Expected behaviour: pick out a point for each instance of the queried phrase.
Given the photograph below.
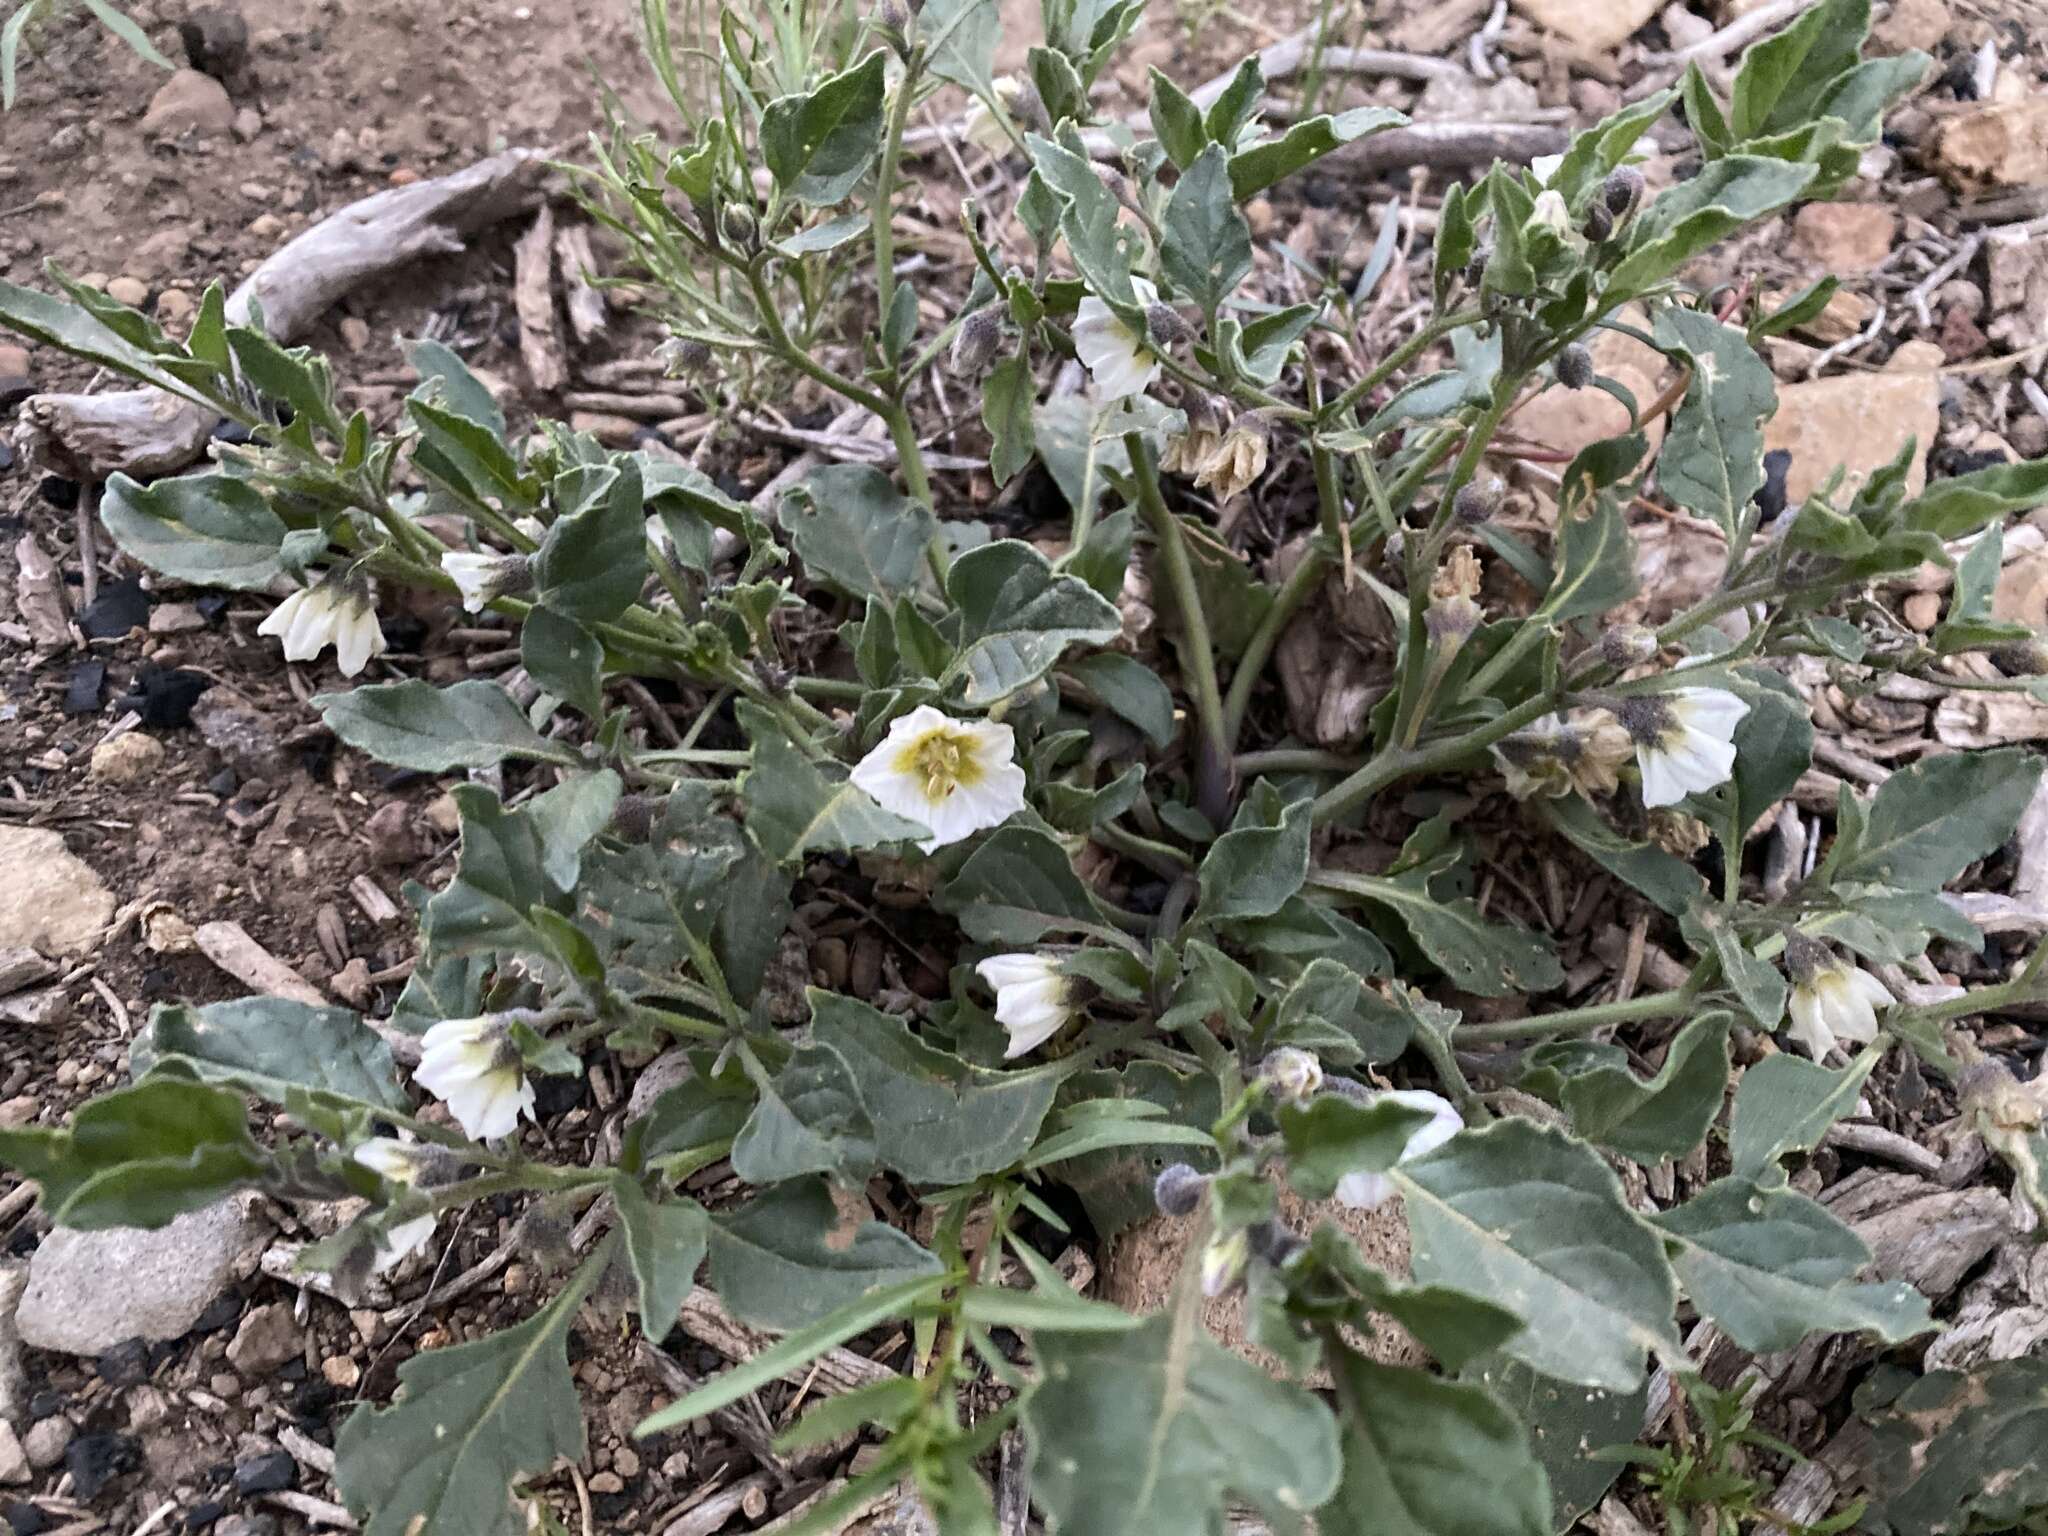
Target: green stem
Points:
(1212, 773)
(829, 688)
(1577, 1021)
(1299, 586)
(1294, 760)
(1391, 766)
(1438, 1052)
(1397, 359)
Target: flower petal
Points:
(1714, 711)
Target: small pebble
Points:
(270, 1473)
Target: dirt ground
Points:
(250, 816)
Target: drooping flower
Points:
(1364, 1191)
(1684, 740)
(1832, 1000)
(1238, 459)
(337, 611)
(481, 577)
(953, 776)
(1186, 452)
(400, 1160)
(1551, 213)
(1554, 755)
(1120, 360)
(982, 127)
(473, 1067)
(1033, 1000)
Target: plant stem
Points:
(1295, 760)
(1397, 359)
(1577, 1021)
(1400, 764)
(1438, 1052)
(1212, 763)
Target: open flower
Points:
(1238, 460)
(1033, 1000)
(1832, 1000)
(400, 1160)
(335, 611)
(473, 1067)
(1364, 1191)
(1119, 359)
(953, 776)
(1684, 740)
(481, 577)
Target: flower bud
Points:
(1551, 213)
(975, 343)
(736, 222)
(1475, 504)
(1621, 191)
(2028, 658)
(1627, 645)
(1293, 1075)
(1574, 367)
(1272, 1243)
(1807, 957)
(680, 355)
(1178, 1190)
(1223, 1262)
(1599, 223)
(1164, 324)
(1239, 459)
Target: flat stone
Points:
(1845, 238)
(127, 759)
(88, 1291)
(249, 742)
(14, 1388)
(47, 1440)
(14, 1466)
(50, 899)
(1910, 24)
(1859, 421)
(2004, 144)
(1590, 28)
(268, 1337)
(189, 102)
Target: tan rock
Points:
(1912, 24)
(1590, 28)
(1916, 356)
(1845, 238)
(132, 291)
(1845, 314)
(1859, 421)
(174, 306)
(127, 759)
(612, 431)
(1568, 420)
(50, 899)
(1144, 1262)
(189, 102)
(2001, 145)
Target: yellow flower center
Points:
(941, 761)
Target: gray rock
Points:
(87, 1291)
(13, 1459)
(13, 1375)
(189, 102)
(247, 740)
(267, 1338)
(47, 1441)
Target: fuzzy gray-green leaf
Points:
(415, 725)
(1713, 458)
(210, 530)
(854, 529)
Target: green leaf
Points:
(1206, 246)
(1594, 153)
(471, 1420)
(1016, 617)
(665, 1242)
(1803, 306)
(1332, 1136)
(564, 658)
(1928, 823)
(1236, 102)
(819, 144)
(593, 562)
(1770, 1266)
(1113, 1181)
(1956, 507)
(1428, 1457)
(1008, 397)
(855, 1317)
(469, 456)
(1713, 458)
(1090, 220)
(1786, 1104)
(1491, 959)
(809, 1120)
(795, 805)
(1255, 169)
(1757, 983)
(1176, 122)
(1537, 1222)
(1017, 887)
(1039, 1312)
(936, 1120)
(500, 876)
(296, 376)
(459, 390)
(1566, 1421)
(1665, 1117)
(415, 725)
(1456, 240)
(788, 1259)
(1129, 688)
(141, 1156)
(1667, 880)
(960, 38)
(854, 529)
(1958, 1453)
(1690, 217)
(271, 1046)
(698, 1112)
(1252, 870)
(1783, 76)
(1081, 452)
(1144, 1433)
(74, 329)
(1773, 743)
(1596, 564)
(210, 530)
(566, 817)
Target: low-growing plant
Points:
(978, 719)
(31, 13)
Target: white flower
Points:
(1223, 1263)
(953, 776)
(1120, 360)
(398, 1159)
(1551, 212)
(1033, 1000)
(481, 577)
(982, 127)
(334, 612)
(472, 1065)
(1364, 1191)
(1684, 740)
(1544, 167)
(1831, 1000)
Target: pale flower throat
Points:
(942, 761)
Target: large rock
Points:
(1590, 28)
(1845, 238)
(88, 1291)
(50, 900)
(2000, 146)
(1859, 421)
(189, 102)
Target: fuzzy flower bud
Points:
(1621, 191)
(1574, 367)
(1164, 324)
(1475, 504)
(737, 223)
(1293, 1075)
(1599, 223)
(681, 355)
(1273, 1243)
(975, 343)
(1627, 645)
(1178, 1190)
